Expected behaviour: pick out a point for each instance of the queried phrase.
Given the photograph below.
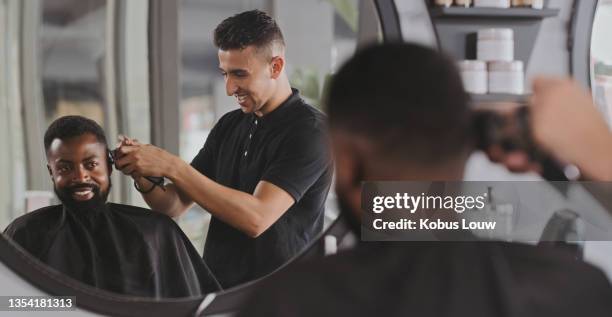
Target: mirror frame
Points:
(582, 18)
(89, 298)
(98, 301)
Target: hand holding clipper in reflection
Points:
(558, 134)
(134, 165)
(507, 138)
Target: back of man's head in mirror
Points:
(397, 112)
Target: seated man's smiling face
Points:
(79, 170)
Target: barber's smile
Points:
(241, 99)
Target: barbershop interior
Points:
(156, 72)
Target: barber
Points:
(265, 169)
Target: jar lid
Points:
(506, 66)
(496, 34)
(472, 65)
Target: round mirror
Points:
(90, 58)
(601, 58)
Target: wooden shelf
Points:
(511, 13)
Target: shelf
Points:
(457, 28)
(511, 13)
(484, 99)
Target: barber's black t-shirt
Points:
(287, 148)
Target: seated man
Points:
(118, 248)
(399, 112)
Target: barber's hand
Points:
(566, 124)
(137, 160)
(502, 134)
(124, 140)
(516, 161)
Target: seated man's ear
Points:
(349, 172)
(50, 172)
(110, 161)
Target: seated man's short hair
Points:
(408, 99)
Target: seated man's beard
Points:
(97, 201)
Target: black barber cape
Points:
(438, 279)
(119, 248)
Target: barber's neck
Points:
(282, 93)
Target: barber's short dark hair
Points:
(248, 28)
(72, 126)
(408, 99)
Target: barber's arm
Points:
(566, 124)
(170, 200)
(249, 213)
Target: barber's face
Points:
(248, 77)
(79, 170)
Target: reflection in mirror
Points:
(313, 52)
(601, 58)
(126, 249)
(114, 247)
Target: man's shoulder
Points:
(547, 280)
(24, 229)
(549, 258)
(38, 216)
(561, 283)
(526, 262)
(558, 266)
(308, 116)
(145, 218)
(304, 123)
(226, 123)
(230, 117)
(137, 211)
(520, 258)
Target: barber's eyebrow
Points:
(233, 71)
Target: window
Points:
(12, 157)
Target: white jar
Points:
(506, 77)
(474, 76)
(463, 3)
(492, 3)
(443, 3)
(495, 45)
(535, 4)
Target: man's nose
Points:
(230, 87)
(81, 174)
